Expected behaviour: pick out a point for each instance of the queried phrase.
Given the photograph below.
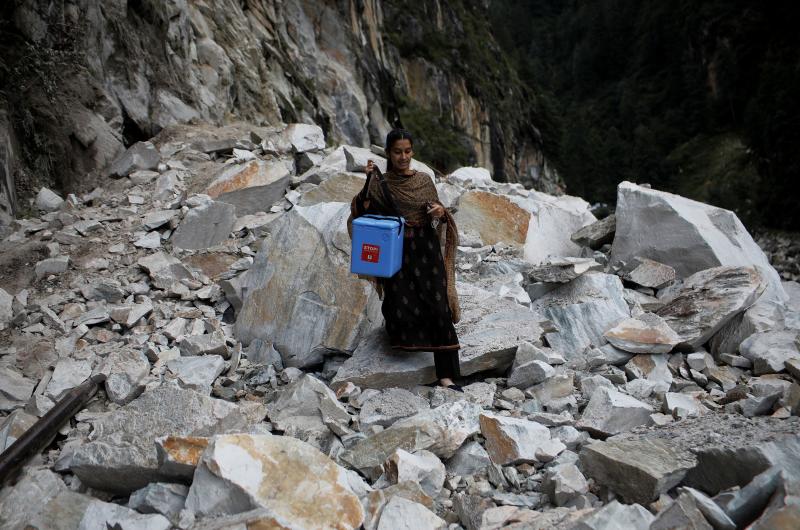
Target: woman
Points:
(420, 303)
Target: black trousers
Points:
(446, 362)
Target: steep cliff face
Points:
(83, 79)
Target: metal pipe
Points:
(45, 430)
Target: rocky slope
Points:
(84, 80)
(642, 370)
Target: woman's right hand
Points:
(370, 167)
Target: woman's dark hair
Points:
(393, 136)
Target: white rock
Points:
(553, 220)
(512, 440)
(6, 309)
(610, 412)
(403, 514)
(422, 467)
(645, 333)
(149, 240)
(47, 201)
(101, 515)
(197, 373)
(67, 374)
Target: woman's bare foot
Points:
(446, 382)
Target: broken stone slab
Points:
(596, 234)
(563, 483)
(615, 515)
(764, 315)
(403, 513)
(687, 235)
(121, 457)
(441, 430)
(712, 511)
(304, 137)
(469, 177)
(421, 467)
(178, 456)
(209, 344)
(645, 333)
(49, 266)
(163, 498)
(389, 406)
(47, 201)
(553, 219)
(40, 499)
(654, 368)
(338, 188)
(489, 332)
(469, 459)
(376, 500)
(13, 426)
(512, 440)
(709, 299)
(528, 374)
(682, 513)
(6, 309)
(562, 270)
(158, 218)
(495, 217)
(687, 403)
(769, 351)
(306, 397)
(611, 412)
(126, 370)
(299, 485)
(649, 273)
(315, 303)
(730, 449)
(197, 373)
(15, 389)
(636, 470)
(582, 310)
(68, 373)
(139, 156)
(164, 269)
(251, 187)
(101, 515)
(205, 226)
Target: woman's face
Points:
(400, 154)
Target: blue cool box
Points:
(377, 246)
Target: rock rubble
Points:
(609, 378)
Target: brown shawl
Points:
(411, 194)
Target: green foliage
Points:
(442, 146)
(657, 92)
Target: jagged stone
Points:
(315, 303)
(160, 497)
(511, 440)
(687, 235)
(304, 137)
(582, 311)
(636, 470)
(125, 370)
(615, 515)
(338, 188)
(389, 406)
(683, 513)
(49, 266)
(101, 515)
(205, 226)
(210, 344)
(197, 373)
(563, 483)
(122, 455)
(709, 299)
(251, 187)
(690, 404)
(495, 217)
(6, 309)
(376, 501)
(299, 485)
(654, 368)
(441, 430)
(164, 269)
(139, 156)
(403, 513)
(469, 459)
(649, 273)
(68, 373)
(489, 331)
(553, 219)
(422, 467)
(610, 412)
(528, 374)
(713, 513)
(645, 333)
(562, 270)
(596, 234)
(13, 426)
(40, 499)
(769, 351)
(15, 389)
(47, 201)
(178, 456)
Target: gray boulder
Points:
(205, 226)
(139, 156)
(303, 297)
(121, 457)
(610, 412)
(687, 235)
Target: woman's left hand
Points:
(435, 210)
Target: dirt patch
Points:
(17, 261)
